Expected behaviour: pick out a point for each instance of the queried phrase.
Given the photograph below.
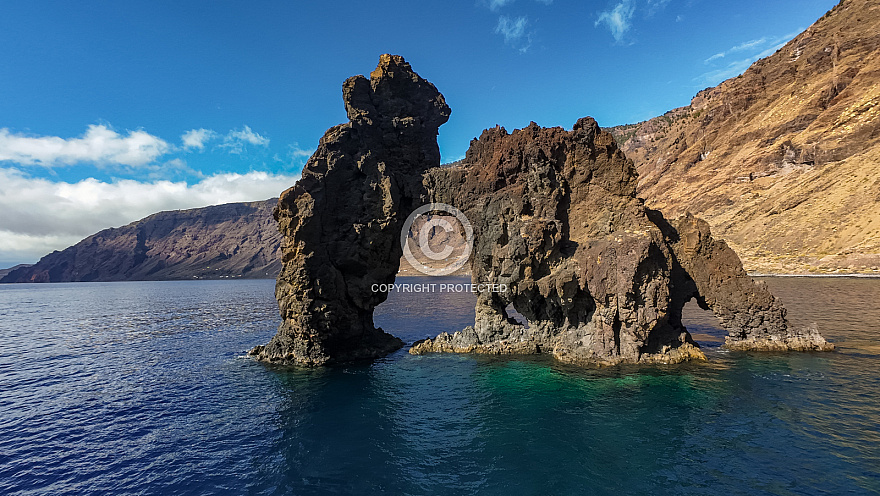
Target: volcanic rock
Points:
(599, 277)
(342, 220)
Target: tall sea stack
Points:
(341, 222)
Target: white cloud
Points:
(196, 138)
(298, 153)
(654, 6)
(495, 5)
(745, 46)
(40, 216)
(739, 66)
(514, 32)
(99, 145)
(752, 45)
(248, 136)
(511, 29)
(715, 57)
(735, 68)
(619, 19)
(236, 140)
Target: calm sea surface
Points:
(141, 388)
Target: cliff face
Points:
(3, 272)
(224, 241)
(782, 161)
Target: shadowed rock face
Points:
(341, 222)
(600, 278)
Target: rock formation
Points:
(600, 278)
(782, 160)
(341, 222)
(235, 240)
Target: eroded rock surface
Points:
(341, 221)
(599, 277)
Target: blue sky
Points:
(114, 110)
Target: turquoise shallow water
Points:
(141, 388)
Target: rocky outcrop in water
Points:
(600, 278)
(341, 222)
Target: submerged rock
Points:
(599, 278)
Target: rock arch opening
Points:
(703, 326)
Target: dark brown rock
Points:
(341, 222)
(599, 278)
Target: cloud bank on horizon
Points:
(43, 214)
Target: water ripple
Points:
(141, 388)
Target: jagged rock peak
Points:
(394, 93)
(555, 217)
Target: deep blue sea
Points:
(143, 388)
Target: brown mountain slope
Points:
(784, 160)
(223, 241)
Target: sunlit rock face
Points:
(600, 278)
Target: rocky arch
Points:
(600, 278)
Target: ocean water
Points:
(142, 388)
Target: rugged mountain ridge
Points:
(784, 160)
(3, 272)
(235, 240)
